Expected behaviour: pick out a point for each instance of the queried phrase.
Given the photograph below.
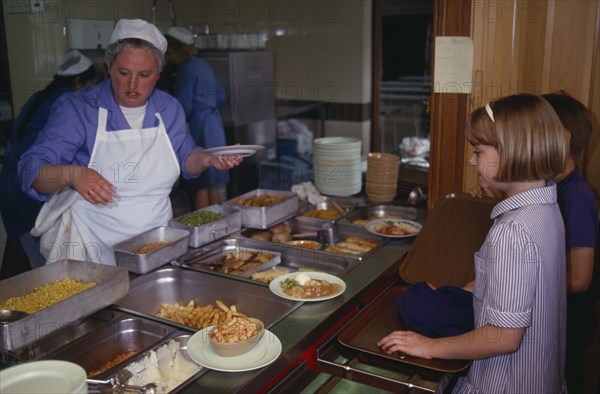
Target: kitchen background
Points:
(323, 48)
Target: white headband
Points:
(488, 109)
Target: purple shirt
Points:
(70, 134)
(578, 208)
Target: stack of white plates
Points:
(337, 165)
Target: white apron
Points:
(142, 166)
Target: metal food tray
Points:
(377, 320)
(183, 339)
(326, 205)
(142, 263)
(171, 285)
(381, 211)
(310, 228)
(112, 283)
(292, 258)
(213, 254)
(209, 232)
(263, 217)
(127, 334)
(61, 337)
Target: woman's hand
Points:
(226, 162)
(87, 182)
(198, 161)
(93, 187)
(408, 342)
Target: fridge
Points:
(249, 114)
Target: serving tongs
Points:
(117, 384)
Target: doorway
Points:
(402, 86)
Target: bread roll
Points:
(261, 236)
(281, 228)
(281, 237)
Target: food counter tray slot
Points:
(178, 285)
(307, 230)
(209, 232)
(164, 367)
(227, 257)
(351, 364)
(127, 335)
(263, 217)
(361, 215)
(305, 380)
(61, 337)
(292, 258)
(112, 283)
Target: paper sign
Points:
(453, 65)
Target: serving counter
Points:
(313, 324)
(308, 333)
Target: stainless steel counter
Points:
(312, 323)
(301, 332)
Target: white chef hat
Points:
(75, 63)
(182, 34)
(138, 28)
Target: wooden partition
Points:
(538, 46)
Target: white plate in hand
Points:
(240, 150)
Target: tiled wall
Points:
(322, 48)
(37, 42)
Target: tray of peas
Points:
(209, 224)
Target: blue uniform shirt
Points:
(70, 134)
(19, 211)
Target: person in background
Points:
(577, 206)
(18, 210)
(519, 302)
(201, 95)
(108, 157)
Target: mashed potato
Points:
(166, 367)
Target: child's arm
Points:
(483, 342)
(580, 268)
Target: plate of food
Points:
(393, 228)
(262, 354)
(240, 150)
(307, 286)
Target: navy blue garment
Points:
(444, 312)
(18, 210)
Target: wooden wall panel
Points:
(538, 46)
(448, 111)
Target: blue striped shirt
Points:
(521, 282)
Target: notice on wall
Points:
(453, 65)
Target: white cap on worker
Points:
(74, 64)
(138, 28)
(182, 34)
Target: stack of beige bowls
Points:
(382, 177)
